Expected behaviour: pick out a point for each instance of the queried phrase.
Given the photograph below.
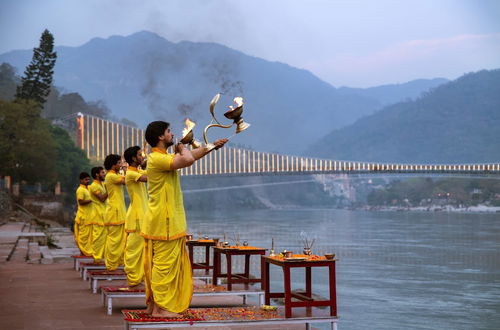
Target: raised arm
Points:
(183, 157)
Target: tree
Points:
(37, 79)
(69, 160)
(26, 145)
(34, 151)
(61, 105)
(64, 105)
(7, 81)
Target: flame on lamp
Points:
(238, 101)
(189, 126)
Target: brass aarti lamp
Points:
(233, 114)
(188, 136)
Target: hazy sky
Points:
(347, 43)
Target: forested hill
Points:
(393, 93)
(455, 122)
(144, 77)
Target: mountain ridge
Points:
(145, 77)
(457, 122)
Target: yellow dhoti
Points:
(83, 226)
(134, 258)
(83, 234)
(169, 282)
(115, 245)
(75, 235)
(98, 241)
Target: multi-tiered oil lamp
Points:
(233, 114)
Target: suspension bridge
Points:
(99, 137)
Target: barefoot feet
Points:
(139, 286)
(159, 312)
(149, 309)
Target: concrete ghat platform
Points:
(37, 296)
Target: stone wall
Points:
(46, 207)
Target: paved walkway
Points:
(53, 296)
(37, 296)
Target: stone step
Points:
(26, 228)
(21, 251)
(46, 255)
(10, 236)
(60, 255)
(6, 250)
(12, 226)
(34, 254)
(19, 242)
(8, 241)
(56, 256)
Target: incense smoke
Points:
(180, 82)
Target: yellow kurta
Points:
(134, 249)
(114, 219)
(165, 217)
(116, 212)
(138, 199)
(99, 231)
(168, 277)
(83, 226)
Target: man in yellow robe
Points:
(169, 283)
(99, 198)
(115, 214)
(135, 180)
(83, 228)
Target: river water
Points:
(396, 270)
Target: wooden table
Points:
(207, 243)
(305, 298)
(236, 278)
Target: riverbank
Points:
(435, 208)
(432, 208)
